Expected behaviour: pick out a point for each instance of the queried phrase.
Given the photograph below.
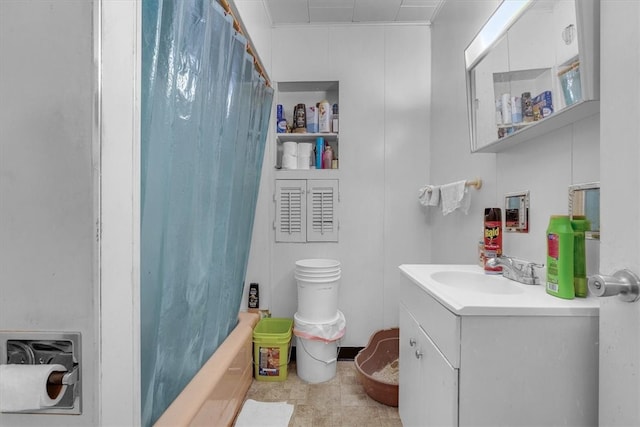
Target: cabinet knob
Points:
(624, 283)
(418, 354)
(412, 342)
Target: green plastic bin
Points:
(271, 348)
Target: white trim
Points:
(118, 102)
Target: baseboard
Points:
(345, 353)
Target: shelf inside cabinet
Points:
(307, 173)
(305, 137)
(557, 120)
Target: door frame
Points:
(117, 32)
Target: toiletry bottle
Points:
(300, 118)
(319, 151)
(527, 108)
(254, 296)
(327, 157)
(281, 121)
(580, 224)
(560, 257)
(324, 116)
(492, 238)
(334, 120)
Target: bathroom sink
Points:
(466, 290)
(476, 282)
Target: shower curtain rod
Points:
(239, 27)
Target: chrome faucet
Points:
(516, 269)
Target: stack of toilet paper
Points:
(290, 155)
(296, 155)
(305, 151)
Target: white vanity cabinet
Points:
(493, 368)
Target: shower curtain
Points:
(205, 114)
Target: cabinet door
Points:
(291, 210)
(428, 383)
(441, 385)
(411, 389)
(322, 202)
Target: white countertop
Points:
(525, 300)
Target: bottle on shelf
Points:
(319, 153)
(324, 116)
(327, 157)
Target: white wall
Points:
(545, 166)
(384, 91)
(48, 201)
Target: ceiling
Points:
(288, 12)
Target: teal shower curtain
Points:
(205, 114)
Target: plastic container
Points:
(318, 298)
(317, 348)
(319, 151)
(381, 354)
(271, 347)
(318, 282)
(580, 224)
(560, 257)
(324, 116)
(317, 264)
(327, 157)
(571, 84)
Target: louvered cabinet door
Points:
(291, 215)
(322, 201)
(306, 210)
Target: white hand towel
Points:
(455, 196)
(429, 195)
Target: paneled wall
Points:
(48, 191)
(545, 166)
(384, 144)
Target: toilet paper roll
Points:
(24, 387)
(290, 147)
(289, 161)
(304, 162)
(305, 149)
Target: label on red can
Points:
(492, 244)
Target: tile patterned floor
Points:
(340, 402)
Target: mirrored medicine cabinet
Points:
(532, 68)
(584, 200)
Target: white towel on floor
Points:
(429, 195)
(455, 196)
(264, 414)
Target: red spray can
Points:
(492, 238)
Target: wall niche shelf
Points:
(557, 120)
(305, 137)
(309, 93)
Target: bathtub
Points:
(215, 395)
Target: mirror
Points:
(584, 199)
(526, 65)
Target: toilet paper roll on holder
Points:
(63, 377)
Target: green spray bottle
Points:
(560, 240)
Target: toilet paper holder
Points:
(63, 348)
